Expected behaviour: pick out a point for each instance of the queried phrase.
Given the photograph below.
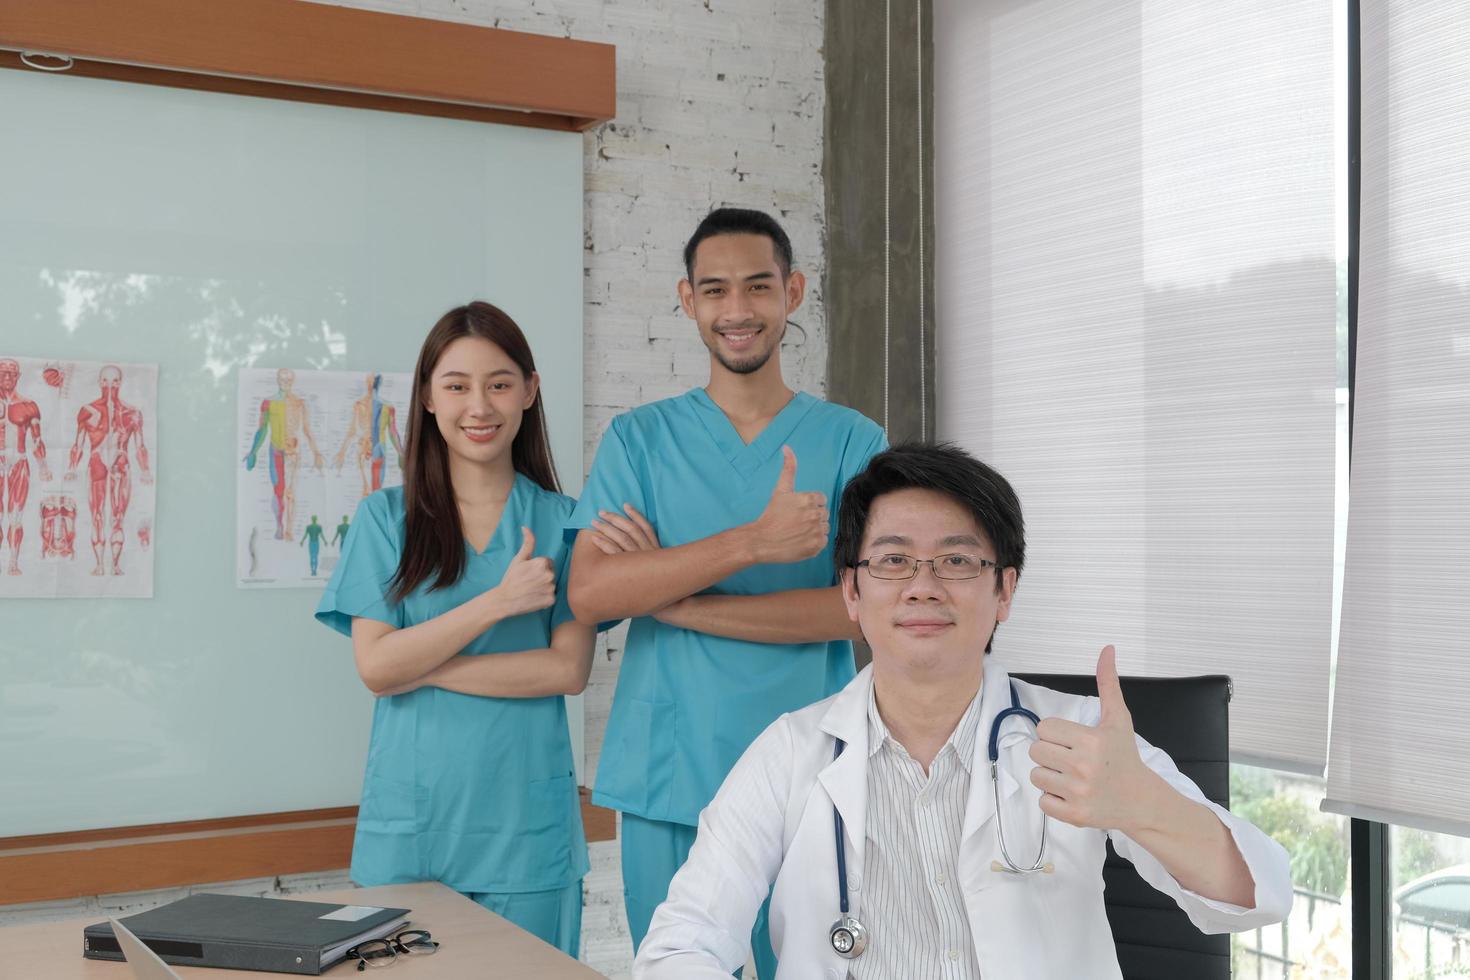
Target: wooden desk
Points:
(476, 943)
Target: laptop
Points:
(145, 963)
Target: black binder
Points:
(242, 932)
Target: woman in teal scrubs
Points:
(452, 588)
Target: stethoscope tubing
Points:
(847, 922)
(841, 845)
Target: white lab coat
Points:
(772, 822)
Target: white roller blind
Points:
(1136, 279)
(1401, 719)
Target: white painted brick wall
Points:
(719, 102)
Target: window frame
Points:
(1369, 847)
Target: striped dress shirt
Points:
(912, 904)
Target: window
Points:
(1316, 941)
(1055, 315)
(1431, 905)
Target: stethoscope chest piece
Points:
(848, 937)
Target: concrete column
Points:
(853, 169)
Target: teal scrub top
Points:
(472, 791)
(688, 704)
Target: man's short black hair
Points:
(943, 468)
(740, 221)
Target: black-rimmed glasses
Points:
(384, 952)
(900, 567)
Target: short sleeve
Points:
(867, 441)
(359, 584)
(561, 610)
(612, 483)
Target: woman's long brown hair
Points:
(433, 538)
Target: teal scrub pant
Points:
(554, 917)
(652, 851)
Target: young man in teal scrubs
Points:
(705, 520)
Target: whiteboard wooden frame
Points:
(306, 52)
(319, 53)
(50, 867)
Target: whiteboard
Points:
(206, 233)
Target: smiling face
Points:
(740, 299)
(478, 396)
(926, 627)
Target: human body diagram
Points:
(284, 421)
(109, 435)
(312, 538)
(59, 526)
(374, 424)
(20, 439)
(105, 431)
(286, 418)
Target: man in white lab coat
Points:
(930, 544)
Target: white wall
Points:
(719, 102)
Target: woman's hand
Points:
(529, 583)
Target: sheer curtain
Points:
(1136, 287)
(1400, 738)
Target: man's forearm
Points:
(794, 616)
(1195, 847)
(637, 583)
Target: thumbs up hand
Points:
(794, 526)
(1094, 776)
(528, 583)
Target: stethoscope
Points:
(848, 936)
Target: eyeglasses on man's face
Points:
(384, 952)
(899, 567)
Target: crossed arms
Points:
(619, 570)
(395, 661)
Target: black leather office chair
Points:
(1189, 718)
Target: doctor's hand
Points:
(528, 583)
(615, 533)
(1093, 776)
(794, 526)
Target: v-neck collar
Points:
(507, 530)
(746, 458)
